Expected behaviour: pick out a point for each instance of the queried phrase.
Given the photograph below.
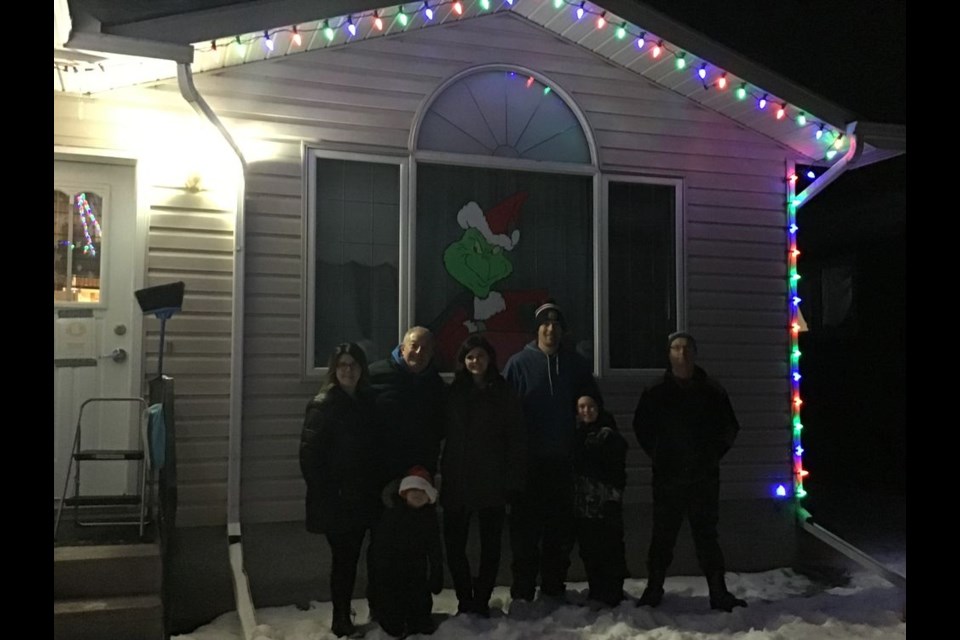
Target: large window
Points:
(642, 272)
(504, 217)
(491, 245)
(354, 265)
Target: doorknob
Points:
(117, 355)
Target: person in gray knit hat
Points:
(686, 424)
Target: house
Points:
(306, 167)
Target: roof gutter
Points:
(834, 172)
(241, 584)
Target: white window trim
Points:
(602, 268)
(309, 262)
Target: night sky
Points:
(852, 52)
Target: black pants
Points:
(404, 600)
(604, 556)
(456, 529)
(700, 502)
(345, 551)
(542, 530)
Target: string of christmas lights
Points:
(87, 219)
(799, 473)
(709, 76)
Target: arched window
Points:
(506, 114)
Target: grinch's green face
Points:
(475, 263)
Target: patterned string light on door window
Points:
(375, 22)
(799, 473)
(89, 221)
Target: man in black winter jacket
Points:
(686, 424)
(411, 398)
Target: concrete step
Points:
(114, 618)
(101, 571)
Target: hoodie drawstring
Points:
(557, 366)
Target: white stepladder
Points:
(78, 454)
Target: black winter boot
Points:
(720, 598)
(481, 598)
(342, 625)
(653, 594)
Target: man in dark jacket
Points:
(548, 379)
(686, 424)
(410, 404)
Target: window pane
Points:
(492, 244)
(642, 273)
(357, 257)
(504, 114)
(77, 246)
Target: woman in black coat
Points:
(483, 462)
(339, 460)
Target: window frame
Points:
(311, 154)
(603, 249)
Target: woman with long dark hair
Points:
(483, 463)
(339, 461)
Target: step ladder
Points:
(80, 455)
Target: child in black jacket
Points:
(600, 477)
(408, 557)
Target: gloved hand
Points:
(436, 582)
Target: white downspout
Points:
(241, 585)
(833, 172)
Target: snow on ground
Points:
(783, 606)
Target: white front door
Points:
(97, 265)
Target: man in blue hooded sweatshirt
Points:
(548, 378)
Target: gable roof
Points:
(119, 44)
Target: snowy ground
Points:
(783, 606)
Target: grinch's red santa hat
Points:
(498, 225)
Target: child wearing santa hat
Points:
(407, 556)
